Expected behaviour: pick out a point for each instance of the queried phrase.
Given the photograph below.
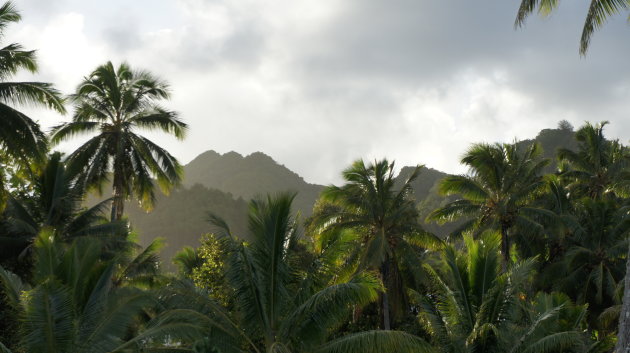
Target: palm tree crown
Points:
(20, 136)
(115, 102)
(385, 218)
(599, 168)
(502, 181)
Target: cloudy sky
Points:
(317, 84)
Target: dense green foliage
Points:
(536, 258)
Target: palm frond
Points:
(377, 342)
(32, 93)
(596, 16)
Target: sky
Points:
(318, 84)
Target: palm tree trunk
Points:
(623, 336)
(385, 298)
(386, 321)
(505, 247)
(118, 202)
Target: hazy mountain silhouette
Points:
(249, 176)
(223, 183)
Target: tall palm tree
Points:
(598, 12)
(501, 184)
(20, 136)
(275, 308)
(599, 168)
(116, 102)
(473, 306)
(385, 217)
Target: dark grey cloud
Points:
(421, 43)
(318, 84)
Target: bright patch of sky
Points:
(317, 84)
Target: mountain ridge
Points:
(223, 184)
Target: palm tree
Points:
(385, 218)
(71, 305)
(598, 13)
(600, 168)
(502, 182)
(20, 136)
(115, 103)
(275, 308)
(187, 260)
(594, 261)
(473, 306)
(55, 204)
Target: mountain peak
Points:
(249, 176)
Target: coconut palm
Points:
(71, 304)
(594, 261)
(599, 168)
(385, 218)
(598, 12)
(473, 306)
(115, 103)
(497, 192)
(20, 136)
(269, 313)
(55, 204)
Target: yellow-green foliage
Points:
(210, 273)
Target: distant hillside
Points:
(426, 185)
(551, 140)
(426, 194)
(222, 184)
(249, 176)
(181, 218)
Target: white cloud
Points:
(317, 84)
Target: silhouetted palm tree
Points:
(385, 218)
(116, 102)
(594, 262)
(20, 136)
(501, 184)
(600, 167)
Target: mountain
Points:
(223, 183)
(550, 140)
(249, 176)
(426, 186)
(181, 217)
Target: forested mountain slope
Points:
(222, 184)
(248, 176)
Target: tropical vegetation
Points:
(537, 257)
